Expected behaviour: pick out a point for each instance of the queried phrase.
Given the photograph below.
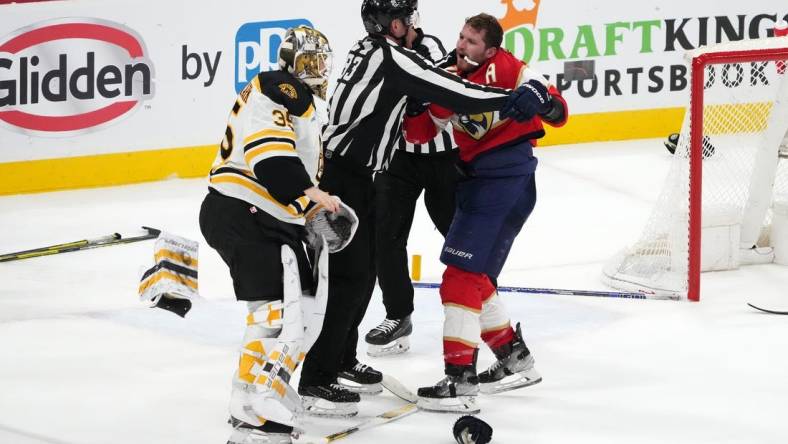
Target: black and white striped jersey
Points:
(430, 47)
(366, 107)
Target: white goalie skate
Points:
(246, 436)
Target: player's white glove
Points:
(336, 228)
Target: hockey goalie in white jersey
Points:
(262, 204)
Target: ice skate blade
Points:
(323, 408)
(395, 347)
(243, 435)
(361, 389)
(513, 382)
(459, 404)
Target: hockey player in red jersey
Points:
(494, 199)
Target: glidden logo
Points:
(71, 75)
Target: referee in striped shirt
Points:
(365, 115)
(428, 167)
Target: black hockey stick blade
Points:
(766, 310)
(152, 231)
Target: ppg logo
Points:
(257, 46)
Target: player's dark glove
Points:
(415, 107)
(472, 430)
(527, 101)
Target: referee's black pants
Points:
(351, 278)
(396, 192)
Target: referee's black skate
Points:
(391, 337)
(268, 433)
(456, 393)
(361, 379)
(514, 368)
(331, 400)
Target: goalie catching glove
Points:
(336, 228)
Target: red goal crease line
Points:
(566, 292)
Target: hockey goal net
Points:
(728, 174)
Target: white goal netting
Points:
(744, 122)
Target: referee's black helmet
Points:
(378, 14)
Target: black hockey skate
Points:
(331, 400)
(513, 369)
(456, 393)
(361, 379)
(268, 433)
(391, 337)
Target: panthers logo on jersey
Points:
(475, 125)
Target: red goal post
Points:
(768, 50)
(725, 182)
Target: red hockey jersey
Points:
(478, 133)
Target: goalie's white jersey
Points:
(271, 151)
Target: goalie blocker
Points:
(171, 284)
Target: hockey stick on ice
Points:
(86, 244)
(398, 389)
(79, 243)
(766, 310)
(383, 418)
(392, 385)
(559, 291)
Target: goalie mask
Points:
(306, 55)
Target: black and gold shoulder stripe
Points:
(286, 90)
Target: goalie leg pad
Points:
(313, 308)
(261, 387)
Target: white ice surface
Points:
(82, 361)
